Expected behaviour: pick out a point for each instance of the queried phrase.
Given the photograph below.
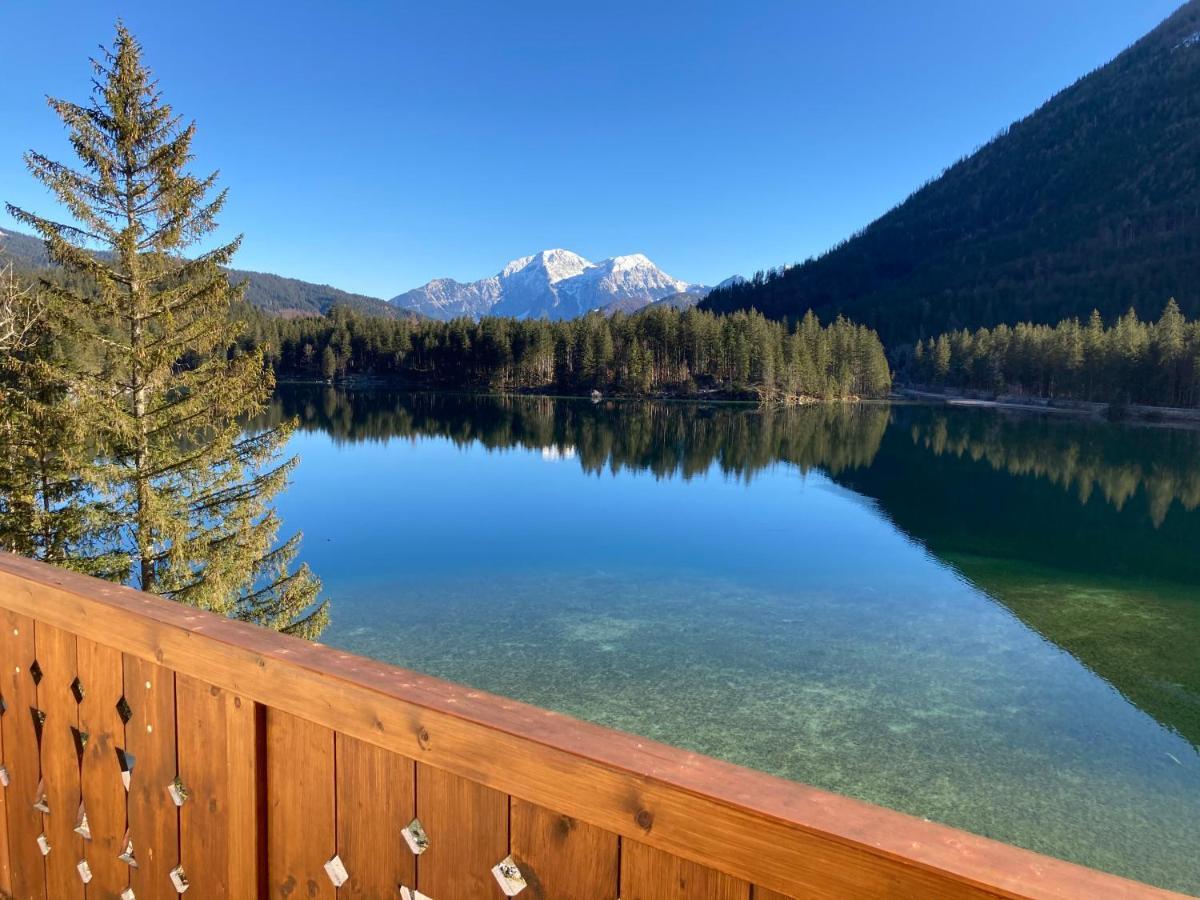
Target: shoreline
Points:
(1136, 413)
(710, 395)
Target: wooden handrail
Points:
(778, 836)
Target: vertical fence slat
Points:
(60, 760)
(215, 734)
(5, 865)
(467, 826)
(21, 757)
(650, 874)
(100, 673)
(150, 737)
(375, 801)
(301, 831)
(560, 857)
(247, 793)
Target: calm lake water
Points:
(988, 619)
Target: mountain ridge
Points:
(1091, 201)
(554, 283)
(274, 294)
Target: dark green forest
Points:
(1093, 201)
(668, 440)
(660, 350)
(1132, 361)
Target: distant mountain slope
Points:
(290, 296)
(682, 300)
(271, 293)
(1091, 201)
(553, 284)
(26, 252)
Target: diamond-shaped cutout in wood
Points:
(125, 761)
(81, 739)
(179, 879)
(39, 720)
(5, 778)
(84, 870)
(36, 672)
(43, 844)
(77, 690)
(407, 893)
(124, 710)
(128, 894)
(3, 705)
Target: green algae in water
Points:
(939, 626)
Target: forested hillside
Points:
(272, 293)
(1093, 201)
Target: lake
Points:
(989, 619)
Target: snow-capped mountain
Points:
(553, 284)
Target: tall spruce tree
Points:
(167, 399)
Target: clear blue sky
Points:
(376, 145)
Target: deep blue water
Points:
(985, 619)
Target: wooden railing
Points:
(242, 763)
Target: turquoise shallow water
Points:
(925, 608)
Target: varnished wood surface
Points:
(376, 798)
(215, 729)
(100, 672)
(649, 874)
(60, 762)
(149, 736)
(28, 867)
(562, 858)
(782, 836)
(467, 826)
(301, 833)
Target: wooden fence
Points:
(150, 748)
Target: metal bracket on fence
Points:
(41, 804)
(179, 880)
(82, 828)
(84, 870)
(127, 856)
(43, 844)
(336, 870)
(178, 792)
(509, 877)
(415, 837)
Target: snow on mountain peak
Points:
(554, 283)
(515, 266)
(632, 261)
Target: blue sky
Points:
(376, 145)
